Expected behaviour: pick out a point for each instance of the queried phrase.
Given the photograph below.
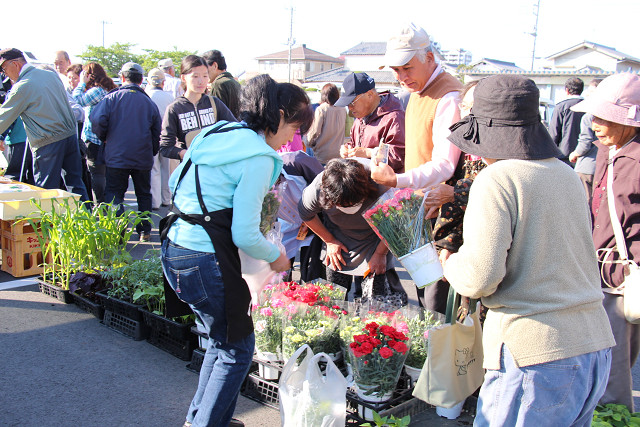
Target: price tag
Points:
(302, 232)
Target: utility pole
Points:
(103, 24)
(291, 41)
(536, 12)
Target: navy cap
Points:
(132, 67)
(355, 84)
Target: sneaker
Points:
(145, 237)
(236, 423)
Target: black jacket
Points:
(565, 126)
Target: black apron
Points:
(217, 224)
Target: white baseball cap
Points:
(402, 47)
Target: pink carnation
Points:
(266, 311)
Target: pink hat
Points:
(616, 99)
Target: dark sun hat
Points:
(504, 122)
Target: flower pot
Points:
(414, 373)
(371, 400)
(450, 413)
(423, 265)
(264, 369)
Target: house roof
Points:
(502, 65)
(609, 51)
(581, 72)
(301, 53)
(337, 75)
(367, 48)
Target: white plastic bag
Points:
(257, 272)
(309, 398)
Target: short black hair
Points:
(329, 94)
(216, 56)
(345, 183)
(262, 99)
(574, 86)
(135, 78)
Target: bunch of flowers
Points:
(270, 207)
(267, 326)
(397, 217)
(417, 326)
(314, 293)
(377, 355)
(315, 325)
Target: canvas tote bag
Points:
(453, 369)
(630, 287)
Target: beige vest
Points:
(419, 117)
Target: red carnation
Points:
(385, 352)
(366, 348)
(401, 347)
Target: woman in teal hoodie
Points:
(218, 192)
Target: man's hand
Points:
(573, 157)
(2, 145)
(383, 174)
(334, 258)
(344, 151)
(281, 264)
(436, 197)
(378, 263)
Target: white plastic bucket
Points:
(423, 265)
(363, 411)
(265, 371)
(450, 413)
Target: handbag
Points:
(453, 370)
(310, 397)
(630, 287)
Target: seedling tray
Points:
(261, 390)
(132, 328)
(55, 292)
(122, 308)
(89, 306)
(179, 331)
(196, 361)
(182, 349)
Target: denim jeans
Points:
(562, 393)
(197, 280)
(60, 159)
(116, 187)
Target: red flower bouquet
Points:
(377, 356)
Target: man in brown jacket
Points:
(433, 106)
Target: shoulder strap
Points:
(214, 108)
(615, 222)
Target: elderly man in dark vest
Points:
(430, 158)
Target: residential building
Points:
(304, 62)
(457, 57)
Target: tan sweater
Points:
(419, 117)
(528, 253)
(326, 134)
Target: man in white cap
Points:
(172, 83)
(433, 106)
(160, 192)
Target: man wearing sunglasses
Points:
(39, 98)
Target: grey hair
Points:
(422, 54)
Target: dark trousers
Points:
(434, 297)
(60, 159)
(116, 187)
(15, 154)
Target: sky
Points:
(245, 29)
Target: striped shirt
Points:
(88, 99)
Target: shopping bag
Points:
(632, 293)
(310, 397)
(453, 369)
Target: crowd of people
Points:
(516, 225)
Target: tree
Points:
(151, 57)
(111, 58)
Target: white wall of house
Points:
(584, 57)
(363, 62)
(279, 69)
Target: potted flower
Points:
(377, 355)
(267, 326)
(316, 326)
(397, 217)
(416, 324)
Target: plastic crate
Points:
(132, 328)
(55, 292)
(179, 331)
(89, 306)
(203, 338)
(261, 390)
(182, 349)
(122, 308)
(196, 361)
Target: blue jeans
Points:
(60, 159)
(117, 182)
(560, 393)
(197, 280)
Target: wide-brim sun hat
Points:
(504, 122)
(616, 99)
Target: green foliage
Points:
(613, 415)
(111, 58)
(389, 421)
(74, 239)
(139, 282)
(150, 59)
